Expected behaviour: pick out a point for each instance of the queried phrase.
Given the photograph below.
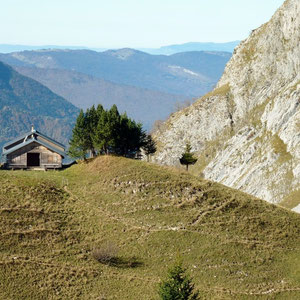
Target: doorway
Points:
(33, 159)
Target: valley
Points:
(148, 87)
(83, 91)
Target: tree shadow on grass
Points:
(125, 262)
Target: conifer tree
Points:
(79, 141)
(188, 157)
(124, 134)
(105, 131)
(91, 123)
(96, 131)
(101, 139)
(114, 127)
(99, 110)
(149, 146)
(136, 136)
(178, 285)
(131, 136)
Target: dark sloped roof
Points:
(33, 140)
(23, 136)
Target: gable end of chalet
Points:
(33, 150)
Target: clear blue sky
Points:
(130, 23)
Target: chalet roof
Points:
(32, 137)
(35, 132)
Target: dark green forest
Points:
(99, 131)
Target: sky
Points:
(130, 23)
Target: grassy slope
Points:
(234, 245)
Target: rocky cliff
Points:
(246, 132)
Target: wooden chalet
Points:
(33, 150)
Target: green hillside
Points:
(235, 246)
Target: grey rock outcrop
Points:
(247, 131)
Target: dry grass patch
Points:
(235, 246)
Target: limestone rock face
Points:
(247, 131)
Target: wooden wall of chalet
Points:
(48, 158)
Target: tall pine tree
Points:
(114, 127)
(79, 143)
(102, 135)
(149, 146)
(91, 123)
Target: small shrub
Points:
(188, 157)
(178, 285)
(106, 253)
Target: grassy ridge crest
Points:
(235, 245)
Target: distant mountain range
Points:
(165, 50)
(83, 91)
(190, 74)
(192, 46)
(146, 86)
(24, 101)
(8, 48)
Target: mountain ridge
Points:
(168, 49)
(176, 74)
(192, 46)
(246, 131)
(148, 87)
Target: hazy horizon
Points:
(130, 23)
(8, 48)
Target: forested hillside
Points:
(24, 102)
